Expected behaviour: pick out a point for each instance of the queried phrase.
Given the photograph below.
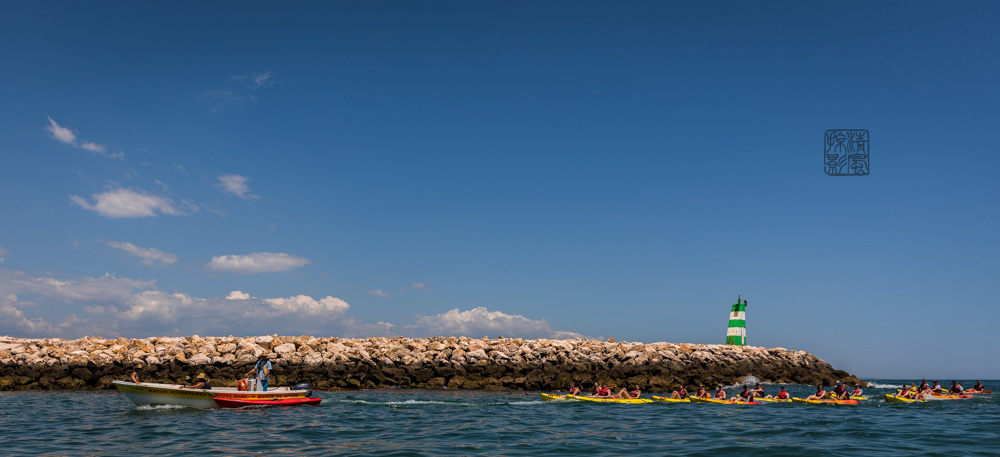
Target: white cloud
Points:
(127, 203)
(305, 304)
(108, 288)
(238, 295)
(157, 305)
(15, 319)
(111, 306)
(67, 136)
(378, 293)
(93, 147)
(236, 185)
(61, 133)
(421, 287)
(256, 262)
(116, 306)
(148, 255)
(480, 321)
(254, 80)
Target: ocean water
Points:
(441, 422)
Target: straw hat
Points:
(202, 376)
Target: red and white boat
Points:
(149, 393)
(234, 403)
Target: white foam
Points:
(158, 407)
(875, 385)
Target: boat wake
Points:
(158, 407)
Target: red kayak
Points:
(231, 403)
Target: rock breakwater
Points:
(437, 362)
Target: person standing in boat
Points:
(201, 384)
(261, 371)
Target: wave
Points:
(875, 385)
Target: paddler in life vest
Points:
(905, 392)
(840, 391)
(820, 393)
(956, 388)
(625, 393)
(923, 386)
(680, 393)
(575, 390)
(721, 394)
(758, 391)
(597, 389)
(781, 395)
(925, 392)
(602, 391)
(701, 393)
(746, 395)
(979, 387)
(857, 392)
(937, 387)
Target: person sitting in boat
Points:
(923, 386)
(937, 387)
(758, 391)
(201, 384)
(136, 373)
(261, 371)
(925, 392)
(721, 394)
(781, 395)
(840, 392)
(745, 396)
(597, 389)
(680, 393)
(602, 391)
(979, 387)
(575, 390)
(701, 393)
(857, 392)
(626, 394)
(819, 395)
(905, 392)
(956, 388)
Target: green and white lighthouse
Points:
(736, 334)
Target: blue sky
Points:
(532, 169)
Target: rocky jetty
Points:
(439, 362)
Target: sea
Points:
(403, 422)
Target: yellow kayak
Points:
(554, 397)
(853, 397)
(774, 399)
(672, 400)
(721, 402)
(611, 400)
(889, 398)
(826, 401)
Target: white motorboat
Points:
(149, 393)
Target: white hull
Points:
(173, 394)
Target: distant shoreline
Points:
(438, 362)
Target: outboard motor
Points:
(304, 386)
